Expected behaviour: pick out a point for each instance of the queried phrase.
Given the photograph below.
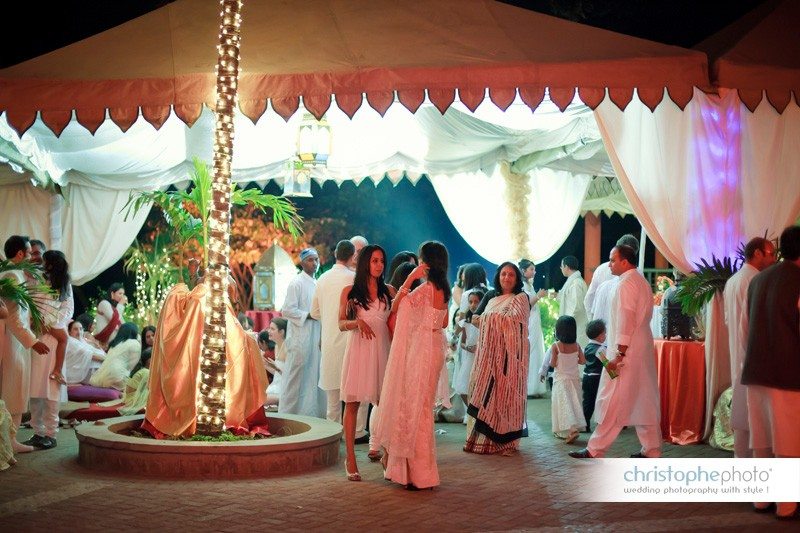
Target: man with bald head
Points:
(359, 242)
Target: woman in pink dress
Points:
(363, 310)
(405, 427)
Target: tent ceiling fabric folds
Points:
(759, 54)
(382, 49)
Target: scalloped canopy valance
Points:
(353, 51)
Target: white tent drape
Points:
(94, 239)
(33, 219)
(97, 172)
(702, 181)
(475, 205)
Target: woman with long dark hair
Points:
(399, 258)
(109, 314)
(47, 380)
(497, 398)
(123, 354)
(405, 428)
(364, 308)
(148, 337)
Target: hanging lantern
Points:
(313, 150)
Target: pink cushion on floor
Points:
(87, 393)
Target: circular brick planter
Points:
(304, 444)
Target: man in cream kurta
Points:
(301, 394)
(632, 398)
(572, 295)
(16, 342)
(325, 308)
(759, 253)
(602, 274)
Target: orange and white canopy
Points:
(346, 49)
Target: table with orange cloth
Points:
(682, 388)
(261, 319)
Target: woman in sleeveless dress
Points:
(567, 401)
(363, 310)
(405, 427)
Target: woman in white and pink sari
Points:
(405, 428)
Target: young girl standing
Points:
(566, 402)
(468, 342)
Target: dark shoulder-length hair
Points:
(145, 329)
(566, 329)
(126, 331)
(401, 274)
(112, 289)
(474, 276)
(517, 286)
(434, 254)
(57, 270)
(399, 258)
(360, 290)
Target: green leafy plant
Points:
(703, 283)
(188, 212)
(549, 310)
(27, 294)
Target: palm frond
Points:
(703, 283)
(29, 269)
(27, 297)
(284, 212)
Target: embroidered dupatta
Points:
(417, 352)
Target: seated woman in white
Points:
(81, 359)
(275, 334)
(123, 354)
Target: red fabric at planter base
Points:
(682, 389)
(257, 425)
(95, 412)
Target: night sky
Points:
(416, 212)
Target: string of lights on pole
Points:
(211, 381)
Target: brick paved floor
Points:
(49, 491)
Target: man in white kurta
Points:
(602, 274)
(16, 342)
(325, 308)
(759, 253)
(572, 295)
(301, 394)
(632, 398)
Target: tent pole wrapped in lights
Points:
(703, 163)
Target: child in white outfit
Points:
(566, 402)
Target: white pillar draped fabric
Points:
(95, 232)
(554, 205)
(702, 181)
(89, 227)
(33, 220)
